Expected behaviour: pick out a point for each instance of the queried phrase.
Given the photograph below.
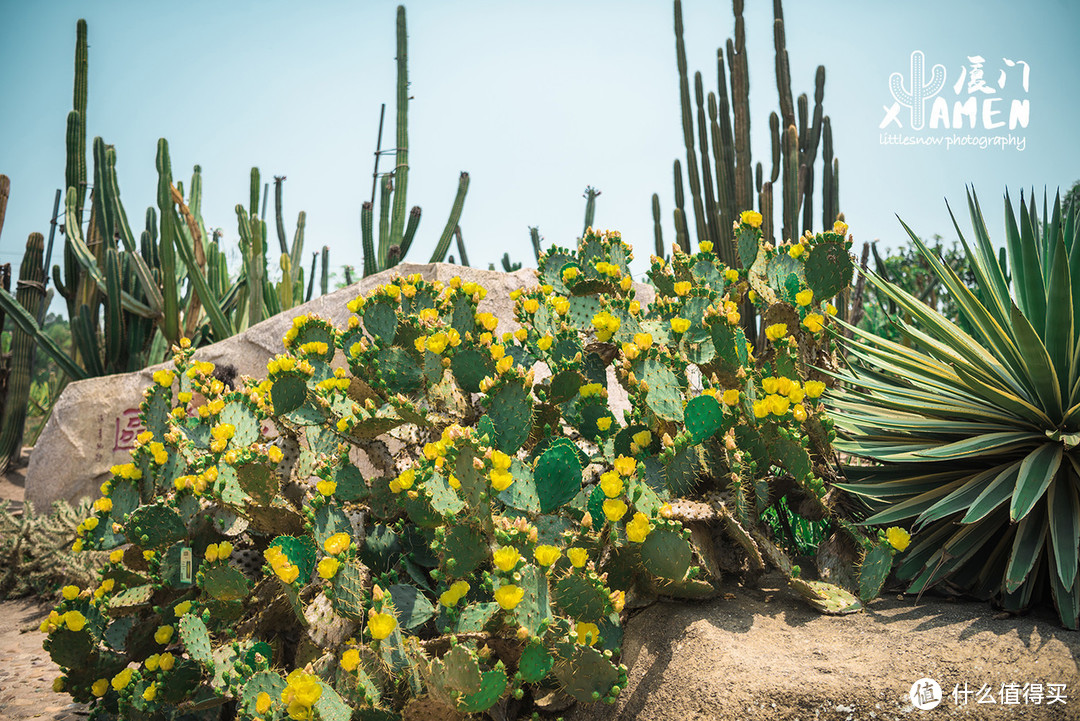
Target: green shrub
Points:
(504, 522)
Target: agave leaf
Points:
(1037, 363)
(1064, 507)
(995, 494)
(961, 498)
(1058, 332)
(914, 506)
(1036, 471)
(1028, 542)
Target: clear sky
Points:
(535, 100)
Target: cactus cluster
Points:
(427, 515)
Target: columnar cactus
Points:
(492, 555)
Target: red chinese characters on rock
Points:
(128, 427)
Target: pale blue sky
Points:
(535, 100)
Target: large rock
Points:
(95, 421)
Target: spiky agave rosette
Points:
(502, 522)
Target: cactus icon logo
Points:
(925, 694)
(919, 89)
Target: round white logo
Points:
(925, 694)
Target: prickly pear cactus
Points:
(252, 566)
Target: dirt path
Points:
(26, 672)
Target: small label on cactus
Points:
(186, 565)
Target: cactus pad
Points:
(557, 475)
(288, 392)
(462, 550)
(413, 608)
(535, 662)
(225, 583)
(470, 366)
(534, 609)
(703, 417)
(826, 597)
(511, 415)
(828, 269)
(664, 397)
(381, 321)
(522, 493)
(196, 639)
(666, 554)
(873, 571)
(586, 674)
(350, 584)
(268, 682)
(582, 596)
(154, 525)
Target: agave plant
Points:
(974, 435)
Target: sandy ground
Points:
(756, 654)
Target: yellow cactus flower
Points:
(122, 679)
(74, 620)
(325, 487)
(680, 325)
(814, 388)
(546, 555)
(804, 297)
(545, 343)
(731, 275)
(814, 322)
(799, 412)
(166, 661)
(103, 505)
(778, 405)
(638, 528)
(642, 439)
(761, 408)
(505, 558)
(603, 423)
(578, 557)
(151, 692)
(611, 484)
(682, 288)
(181, 608)
(643, 341)
(840, 227)
(614, 509)
(211, 553)
(796, 250)
(898, 538)
(262, 701)
(705, 246)
(116, 556)
(500, 479)
(625, 466)
(505, 363)
(587, 633)
(337, 543)
(164, 377)
(163, 634)
(328, 567)
(751, 218)
(509, 596)
(381, 625)
(630, 351)
(776, 331)
(100, 687)
(830, 309)
(730, 397)
(70, 593)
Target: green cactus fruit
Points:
(268, 682)
(300, 550)
(586, 674)
(583, 596)
(521, 494)
(288, 392)
(350, 584)
(704, 417)
(470, 366)
(664, 397)
(196, 639)
(462, 550)
(154, 525)
(828, 269)
(131, 600)
(535, 662)
(873, 571)
(510, 411)
(413, 608)
(534, 609)
(381, 320)
(558, 476)
(224, 583)
(666, 554)
(827, 598)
